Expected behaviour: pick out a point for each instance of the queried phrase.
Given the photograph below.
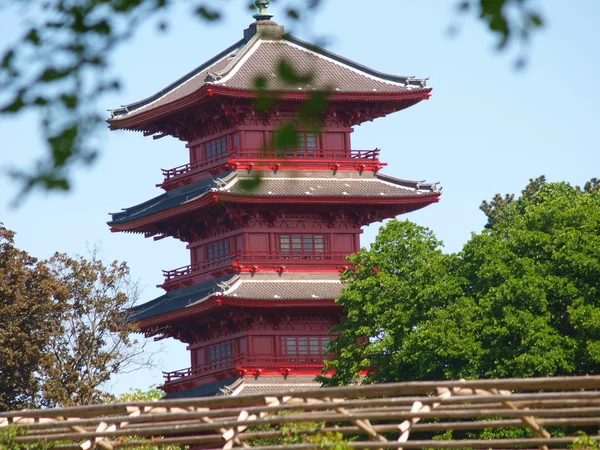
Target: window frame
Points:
(302, 245)
(215, 148)
(220, 354)
(314, 348)
(306, 147)
(218, 252)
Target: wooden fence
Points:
(548, 411)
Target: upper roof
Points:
(259, 54)
(276, 187)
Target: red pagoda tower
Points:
(268, 229)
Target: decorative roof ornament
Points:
(262, 14)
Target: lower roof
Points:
(241, 385)
(260, 289)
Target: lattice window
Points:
(216, 148)
(302, 246)
(218, 252)
(305, 349)
(306, 148)
(220, 355)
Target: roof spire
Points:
(262, 14)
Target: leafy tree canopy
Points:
(521, 299)
(62, 333)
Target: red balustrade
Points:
(256, 259)
(249, 362)
(235, 155)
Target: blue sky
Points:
(487, 129)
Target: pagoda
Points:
(268, 227)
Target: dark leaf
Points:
(62, 145)
(286, 136)
(16, 105)
(7, 59)
(40, 101)
(101, 27)
(33, 37)
(69, 100)
(208, 14)
(289, 75)
(52, 74)
(249, 184)
(293, 14)
(536, 19)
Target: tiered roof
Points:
(282, 187)
(234, 72)
(243, 290)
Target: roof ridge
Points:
(243, 51)
(408, 80)
(124, 109)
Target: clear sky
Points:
(487, 129)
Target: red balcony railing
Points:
(257, 259)
(254, 155)
(249, 361)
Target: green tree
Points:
(62, 330)
(60, 66)
(522, 298)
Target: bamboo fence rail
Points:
(396, 415)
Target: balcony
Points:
(261, 159)
(253, 364)
(255, 262)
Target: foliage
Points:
(31, 301)
(521, 299)
(586, 442)
(63, 333)
(92, 341)
(300, 433)
(138, 395)
(59, 66)
(7, 440)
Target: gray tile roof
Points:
(234, 286)
(176, 300)
(285, 290)
(205, 390)
(308, 185)
(252, 389)
(243, 386)
(281, 186)
(239, 66)
(171, 199)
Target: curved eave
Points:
(418, 201)
(137, 121)
(219, 301)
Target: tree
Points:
(31, 300)
(522, 298)
(92, 340)
(59, 66)
(62, 329)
